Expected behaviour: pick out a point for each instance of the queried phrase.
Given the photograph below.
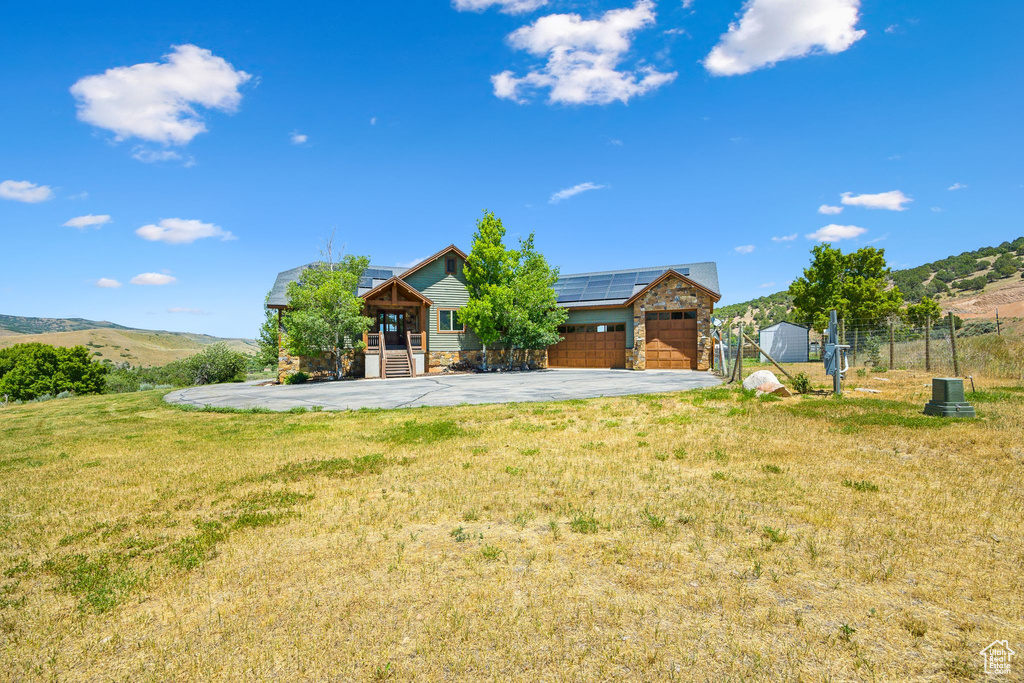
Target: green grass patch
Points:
(863, 486)
(331, 467)
(101, 582)
(427, 432)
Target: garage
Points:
(671, 340)
(589, 346)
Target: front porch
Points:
(396, 345)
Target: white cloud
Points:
(745, 249)
(771, 31)
(153, 279)
(829, 210)
(504, 6)
(891, 201)
(834, 233)
(766, 285)
(373, 121)
(410, 264)
(81, 195)
(88, 221)
(892, 28)
(156, 101)
(937, 209)
(573, 191)
(190, 311)
(24, 191)
(298, 138)
(182, 231)
(956, 186)
(583, 57)
(154, 156)
(108, 283)
(785, 238)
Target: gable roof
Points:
(401, 283)
(784, 322)
(431, 259)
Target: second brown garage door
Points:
(671, 340)
(589, 346)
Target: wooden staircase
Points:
(397, 364)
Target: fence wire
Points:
(902, 345)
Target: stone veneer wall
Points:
(439, 360)
(318, 367)
(671, 294)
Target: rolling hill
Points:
(971, 285)
(111, 342)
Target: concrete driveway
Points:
(445, 390)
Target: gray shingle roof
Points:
(279, 293)
(704, 273)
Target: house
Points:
(641, 318)
(785, 342)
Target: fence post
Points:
(856, 339)
(952, 343)
(928, 343)
(739, 357)
(892, 347)
(998, 329)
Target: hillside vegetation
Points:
(26, 325)
(971, 285)
(640, 538)
(118, 344)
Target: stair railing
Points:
(408, 351)
(383, 355)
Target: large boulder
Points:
(758, 378)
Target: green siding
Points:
(446, 291)
(585, 316)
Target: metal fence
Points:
(898, 344)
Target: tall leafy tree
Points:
(269, 337)
(488, 273)
(512, 298)
(533, 313)
(919, 313)
(856, 285)
(325, 314)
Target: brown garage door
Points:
(672, 340)
(589, 346)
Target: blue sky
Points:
(225, 144)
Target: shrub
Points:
(121, 381)
(802, 383)
(28, 371)
(216, 363)
(296, 378)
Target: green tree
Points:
(1006, 265)
(325, 314)
(488, 273)
(28, 371)
(512, 300)
(269, 337)
(919, 313)
(533, 315)
(856, 285)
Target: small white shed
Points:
(786, 342)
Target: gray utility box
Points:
(948, 399)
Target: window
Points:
(449, 265)
(663, 316)
(620, 327)
(690, 315)
(602, 328)
(652, 316)
(448, 321)
(677, 315)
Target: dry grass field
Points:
(700, 536)
(138, 347)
